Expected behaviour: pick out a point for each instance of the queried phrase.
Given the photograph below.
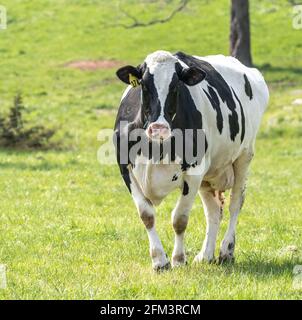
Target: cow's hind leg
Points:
(147, 215)
(213, 208)
(237, 198)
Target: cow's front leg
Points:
(147, 215)
(157, 253)
(180, 217)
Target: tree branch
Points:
(136, 23)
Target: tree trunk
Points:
(240, 41)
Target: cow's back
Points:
(238, 76)
(231, 100)
(249, 87)
(237, 86)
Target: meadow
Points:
(68, 227)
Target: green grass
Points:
(68, 228)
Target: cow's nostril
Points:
(156, 126)
(158, 131)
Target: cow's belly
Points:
(158, 180)
(220, 174)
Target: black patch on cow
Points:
(187, 117)
(242, 117)
(150, 102)
(126, 177)
(193, 165)
(213, 98)
(123, 167)
(248, 87)
(171, 100)
(185, 189)
(215, 79)
(185, 166)
(175, 177)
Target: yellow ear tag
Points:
(133, 80)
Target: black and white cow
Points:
(215, 93)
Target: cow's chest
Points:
(158, 180)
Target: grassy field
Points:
(68, 227)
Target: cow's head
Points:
(160, 77)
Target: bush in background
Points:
(15, 132)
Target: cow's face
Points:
(160, 77)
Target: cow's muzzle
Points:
(158, 131)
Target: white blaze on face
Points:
(161, 65)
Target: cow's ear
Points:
(125, 73)
(191, 76)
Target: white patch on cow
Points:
(155, 180)
(159, 56)
(162, 65)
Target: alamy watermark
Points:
(297, 17)
(2, 276)
(184, 147)
(297, 282)
(3, 18)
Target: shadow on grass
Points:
(286, 70)
(281, 77)
(263, 268)
(280, 132)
